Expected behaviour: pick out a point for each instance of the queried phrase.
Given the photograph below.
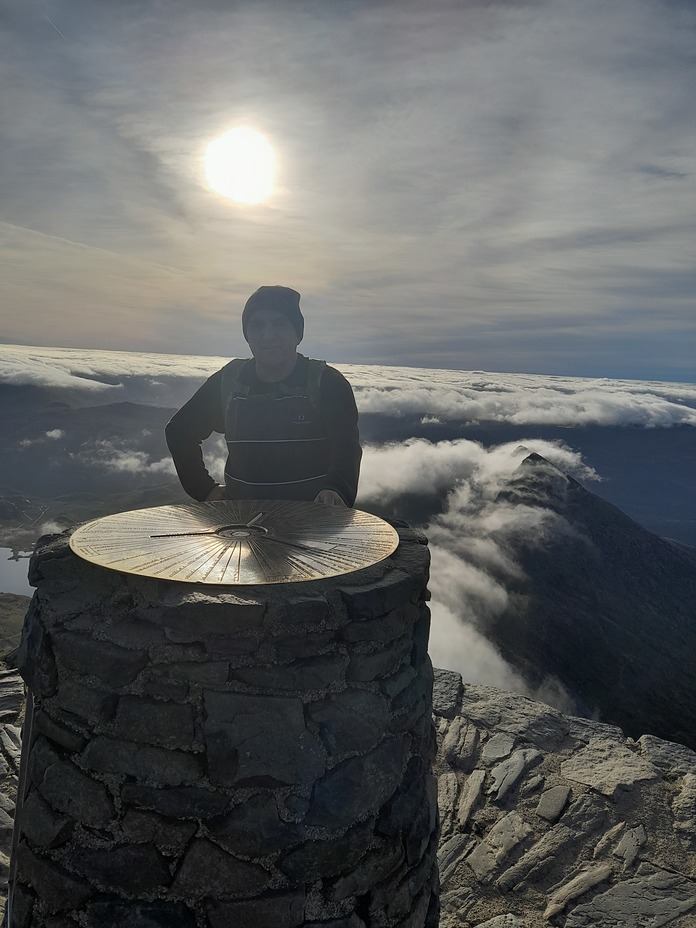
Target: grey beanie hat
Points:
(283, 299)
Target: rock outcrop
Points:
(550, 820)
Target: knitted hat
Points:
(282, 300)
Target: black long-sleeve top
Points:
(204, 414)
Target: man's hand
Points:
(218, 492)
(329, 498)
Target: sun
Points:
(241, 165)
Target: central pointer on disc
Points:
(241, 542)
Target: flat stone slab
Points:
(608, 766)
(646, 901)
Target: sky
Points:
(479, 186)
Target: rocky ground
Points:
(11, 710)
(547, 820)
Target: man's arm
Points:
(193, 423)
(340, 415)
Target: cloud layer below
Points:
(461, 396)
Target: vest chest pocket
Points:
(274, 440)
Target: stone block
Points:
(208, 871)
(178, 802)
(539, 859)
(108, 662)
(460, 744)
(497, 747)
(309, 644)
(261, 739)
(41, 756)
(394, 624)
(505, 774)
(375, 599)
(132, 868)
(552, 803)
(72, 792)
(306, 610)
(451, 853)
(88, 703)
(254, 828)
(205, 673)
(41, 825)
(424, 825)
(310, 673)
(57, 733)
(169, 836)
(420, 635)
(419, 692)
(350, 720)
(359, 786)
(447, 693)
(418, 910)
(35, 659)
(59, 890)
(163, 723)
(399, 812)
(322, 859)
(196, 616)
(143, 761)
(396, 895)
(364, 668)
(280, 910)
(134, 633)
(397, 682)
(115, 913)
(376, 866)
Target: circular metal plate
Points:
(237, 542)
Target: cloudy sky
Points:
(499, 186)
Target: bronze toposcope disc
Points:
(237, 542)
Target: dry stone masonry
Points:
(549, 820)
(201, 758)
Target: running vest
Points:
(277, 447)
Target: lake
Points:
(13, 574)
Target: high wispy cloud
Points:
(461, 184)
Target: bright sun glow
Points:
(241, 165)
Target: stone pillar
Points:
(207, 757)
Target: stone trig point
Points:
(207, 757)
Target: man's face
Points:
(272, 339)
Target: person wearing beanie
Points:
(290, 422)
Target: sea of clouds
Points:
(471, 532)
(435, 395)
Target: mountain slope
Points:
(606, 607)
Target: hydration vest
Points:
(277, 447)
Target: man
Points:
(290, 422)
